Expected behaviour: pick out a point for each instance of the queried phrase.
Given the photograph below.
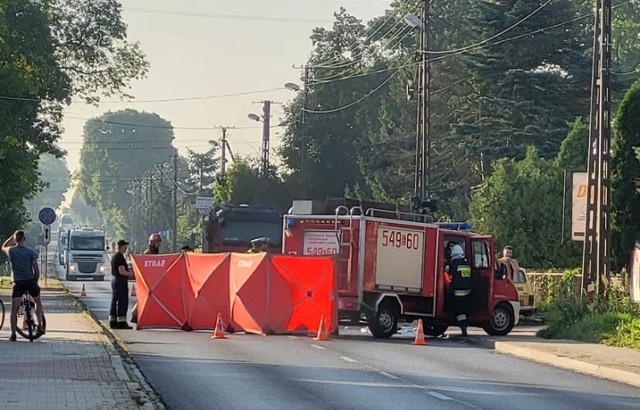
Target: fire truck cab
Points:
(392, 268)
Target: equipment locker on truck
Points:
(392, 268)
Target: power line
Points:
(158, 100)
(511, 27)
(226, 16)
(351, 104)
(171, 127)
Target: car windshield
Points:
(241, 233)
(519, 277)
(87, 243)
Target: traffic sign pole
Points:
(47, 217)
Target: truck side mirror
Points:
(501, 271)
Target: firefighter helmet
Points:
(457, 252)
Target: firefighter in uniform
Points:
(259, 245)
(120, 288)
(155, 240)
(461, 282)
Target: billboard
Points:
(579, 206)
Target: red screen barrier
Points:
(257, 293)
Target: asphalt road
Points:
(355, 371)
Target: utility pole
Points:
(175, 203)
(597, 246)
(150, 203)
(266, 128)
(422, 186)
(225, 144)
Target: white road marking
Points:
(318, 347)
(439, 396)
(348, 359)
(292, 337)
(389, 375)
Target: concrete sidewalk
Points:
(73, 366)
(613, 363)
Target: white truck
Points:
(85, 254)
(63, 239)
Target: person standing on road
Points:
(155, 240)
(461, 284)
(120, 288)
(24, 264)
(259, 245)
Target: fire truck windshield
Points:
(86, 243)
(241, 233)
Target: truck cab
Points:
(85, 254)
(231, 228)
(392, 268)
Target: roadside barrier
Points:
(255, 293)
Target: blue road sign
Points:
(47, 216)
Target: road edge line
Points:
(142, 392)
(578, 366)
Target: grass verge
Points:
(612, 319)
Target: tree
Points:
(55, 181)
(521, 204)
(625, 172)
(202, 169)
(82, 214)
(574, 148)
(41, 72)
(243, 184)
(92, 48)
(120, 147)
(526, 91)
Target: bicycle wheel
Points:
(1, 314)
(28, 328)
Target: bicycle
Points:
(28, 328)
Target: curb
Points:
(126, 369)
(602, 372)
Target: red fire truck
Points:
(393, 268)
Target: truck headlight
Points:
(72, 267)
(102, 268)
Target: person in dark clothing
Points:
(120, 288)
(155, 240)
(461, 284)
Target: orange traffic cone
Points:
(420, 340)
(218, 333)
(83, 293)
(322, 334)
(133, 291)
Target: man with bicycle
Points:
(24, 264)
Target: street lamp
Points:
(254, 117)
(292, 87)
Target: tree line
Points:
(51, 53)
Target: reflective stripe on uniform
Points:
(112, 318)
(461, 292)
(465, 271)
(461, 317)
(122, 319)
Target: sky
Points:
(214, 47)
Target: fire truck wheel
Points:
(384, 322)
(501, 322)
